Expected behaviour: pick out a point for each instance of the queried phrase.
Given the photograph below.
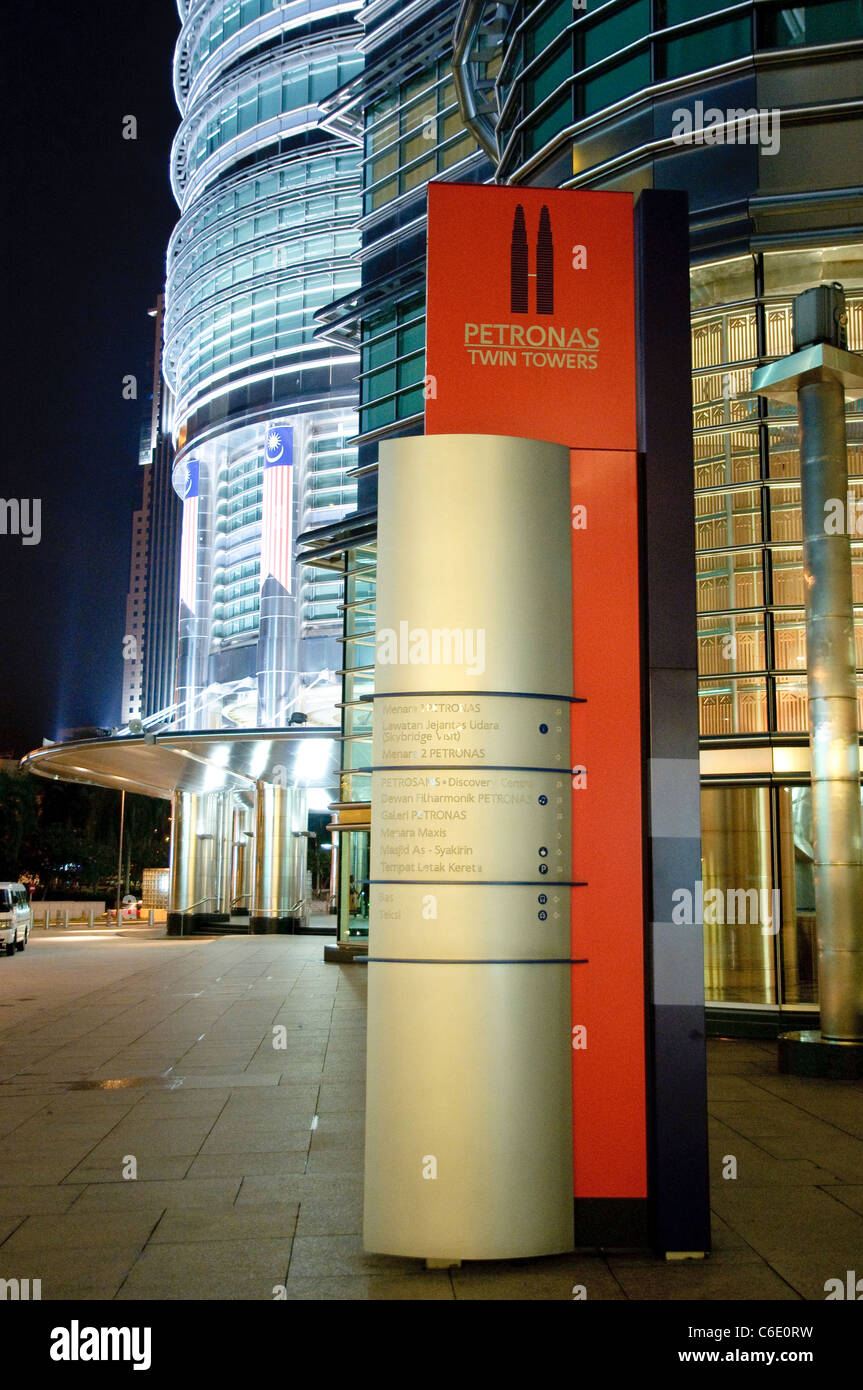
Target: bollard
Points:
(66, 919)
(92, 914)
(151, 918)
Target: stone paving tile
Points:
(34, 1200)
(241, 1270)
(252, 1223)
(194, 1081)
(14, 1113)
(151, 1168)
(265, 1164)
(82, 1274)
(707, 1280)
(216, 1193)
(808, 1271)
(530, 1283)
(297, 1187)
(78, 1231)
(433, 1285)
(8, 1224)
(768, 1217)
(330, 1216)
(287, 1141)
(851, 1197)
(316, 1257)
(338, 1096)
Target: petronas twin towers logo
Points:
(535, 340)
(520, 274)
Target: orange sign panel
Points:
(531, 318)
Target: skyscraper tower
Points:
(150, 632)
(269, 199)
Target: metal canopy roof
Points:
(205, 760)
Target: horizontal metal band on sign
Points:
(409, 960)
(478, 882)
(470, 695)
(464, 767)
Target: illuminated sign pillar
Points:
(469, 1128)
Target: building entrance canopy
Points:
(200, 761)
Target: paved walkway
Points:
(140, 1053)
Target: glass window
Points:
(728, 519)
(788, 26)
(552, 73)
(789, 642)
(798, 942)
(557, 118)
(617, 83)
(727, 582)
(553, 22)
(740, 907)
(722, 283)
(785, 518)
(735, 705)
(679, 11)
(731, 643)
(706, 48)
(609, 36)
(790, 272)
(725, 456)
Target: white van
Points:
(15, 917)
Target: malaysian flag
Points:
(186, 484)
(276, 529)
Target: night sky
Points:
(85, 220)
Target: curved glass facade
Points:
(562, 65)
(270, 199)
(249, 265)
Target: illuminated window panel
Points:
(412, 135)
(729, 644)
(787, 571)
(726, 582)
(725, 339)
(727, 520)
(789, 642)
(785, 517)
(732, 706)
(791, 704)
(726, 457)
(736, 842)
